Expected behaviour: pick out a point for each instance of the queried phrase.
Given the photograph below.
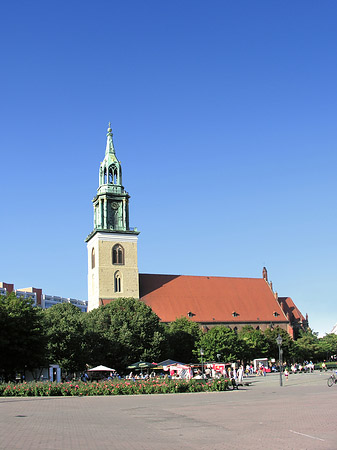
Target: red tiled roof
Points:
(290, 307)
(210, 299)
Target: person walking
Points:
(234, 379)
(240, 375)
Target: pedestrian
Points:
(233, 381)
(235, 375)
(311, 366)
(240, 375)
(286, 373)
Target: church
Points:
(209, 301)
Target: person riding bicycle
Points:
(332, 379)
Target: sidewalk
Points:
(299, 415)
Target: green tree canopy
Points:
(255, 344)
(327, 346)
(122, 332)
(64, 331)
(182, 336)
(222, 341)
(287, 344)
(21, 335)
(306, 346)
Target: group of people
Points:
(235, 376)
(143, 375)
(306, 367)
(261, 370)
(301, 368)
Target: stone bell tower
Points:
(112, 245)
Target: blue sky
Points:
(224, 118)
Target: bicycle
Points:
(332, 380)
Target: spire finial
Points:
(109, 142)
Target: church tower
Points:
(112, 245)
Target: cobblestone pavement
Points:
(300, 415)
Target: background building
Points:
(42, 300)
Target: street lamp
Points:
(279, 342)
(202, 362)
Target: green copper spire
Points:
(110, 174)
(111, 204)
(109, 142)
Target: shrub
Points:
(118, 387)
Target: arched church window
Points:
(105, 176)
(110, 176)
(117, 282)
(115, 176)
(117, 254)
(93, 258)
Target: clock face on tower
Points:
(114, 205)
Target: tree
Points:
(21, 335)
(64, 331)
(327, 346)
(122, 332)
(254, 343)
(307, 346)
(223, 341)
(182, 336)
(287, 344)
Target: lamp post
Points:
(202, 362)
(279, 342)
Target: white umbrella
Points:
(101, 369)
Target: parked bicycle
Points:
(332, 380)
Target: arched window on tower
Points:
(93, 258)
(110, 176)
(105, 176)
(115, 176)
(117, 282)
(117, 254)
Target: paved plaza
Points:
(300, 415)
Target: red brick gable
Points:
(210, 299)
(291, 310)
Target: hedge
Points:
(119, 387)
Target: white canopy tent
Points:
(101, 369)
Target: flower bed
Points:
(119, 387)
